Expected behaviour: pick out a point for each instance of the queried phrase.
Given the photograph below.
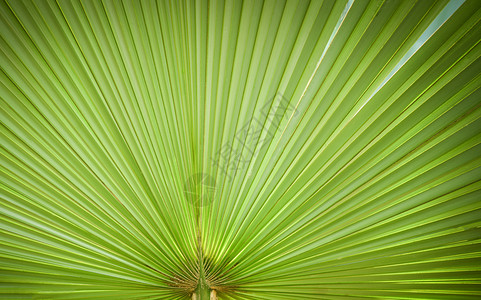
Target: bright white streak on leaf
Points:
(328, 45)
(440, 19)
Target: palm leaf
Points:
(240, 149)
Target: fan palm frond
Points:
(240, 149)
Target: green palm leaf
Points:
(240, 149)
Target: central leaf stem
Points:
(202, 291)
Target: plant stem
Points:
(202, 291)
